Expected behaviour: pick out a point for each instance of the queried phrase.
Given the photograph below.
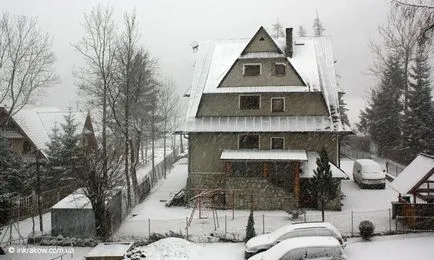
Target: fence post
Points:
(352, 223)
(390, 222)
(226, 225)
(149, 226)
(263, 224)
(186, 227)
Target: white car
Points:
(368, 173)
(304, 248)
(263, 242)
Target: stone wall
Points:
(265, 195)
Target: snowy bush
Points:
(366, 229)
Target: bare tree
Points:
(424, 8)
(168, 109)
(277, 30)
(26, 61)
(99, 175)
(97, 47)
(400, 36)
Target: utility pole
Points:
(38, 191)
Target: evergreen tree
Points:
(324, 186)
(318, 28)
(277, 30)
(63, 150)
(301, 31)
(383, 116)
(13, 176)
(343, 110)
(250, 229)
(418, 125)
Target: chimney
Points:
(288, 47)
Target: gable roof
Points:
(312, 59)
(418, 171)
(38, 123)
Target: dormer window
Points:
(253, 69)
(280, 69)
(250, 102)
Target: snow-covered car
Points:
(304, 248)
(263, 242)
(368, 173)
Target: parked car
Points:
(263, 242)
(324, 248)
(368, 173)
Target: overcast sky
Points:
(168, 27)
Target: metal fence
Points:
(228, 224)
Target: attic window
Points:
(252, 69)
(261, 39)
(280, 69)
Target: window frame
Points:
(252, 64)
(259, 141)
(247, 95)
(284, 69)
(277, 137)
(271, 104)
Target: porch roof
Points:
(309, 166)
(273, 155)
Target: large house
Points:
(259, 111)
(29, 130)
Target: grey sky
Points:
(168, 27)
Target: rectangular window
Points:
(277, 104)
(277, 142)
(250, 102)
(280, 69)
(248, 141)
(252, 69)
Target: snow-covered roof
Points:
(259, 124)
(414, 174)
(310, 166)
(312, 59)
(286, 155)
(112, 249)
(75, 200)
(38, 123)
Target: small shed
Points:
(73, 216)
(417, 180)
(109, 251)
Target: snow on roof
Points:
(258, 124)
(310, 166)
(312, 59)
(297, 155)
(285, 246)
(110, 249)
(75, 200)
(38, 123)
(419, 169)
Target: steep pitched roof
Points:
(38, 123)
(312, 59)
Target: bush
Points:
(155, 236)
(250, 229)
(366, 229)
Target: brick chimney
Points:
(288, 47)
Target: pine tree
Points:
(13, 176)
(323, 185)
(318, 28)
(418, 125)
(383, 116)
(250, 229)
(63, 150)
(277, 30)
(343, 110)
(301, 31)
